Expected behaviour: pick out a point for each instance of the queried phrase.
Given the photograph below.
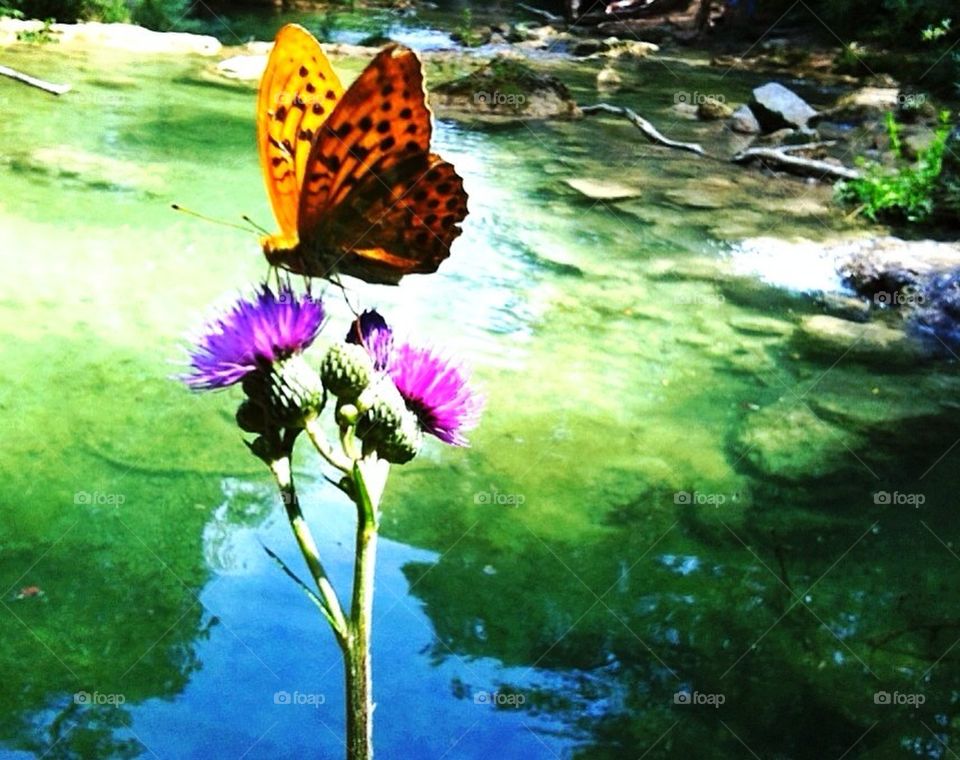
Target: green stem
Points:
(319, 441)
(359, 691)
(331, 605)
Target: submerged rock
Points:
(862, 105)
(608, 80)
(788, 441)
(697, 196)
(91, 169)
(712, 109)
(505, 89)
(744, 122)
(777, 107)
(602, 189)
(871, 342)
(755, 324)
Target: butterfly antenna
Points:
(255, 226)
(190, 212)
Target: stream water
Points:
(679, 532)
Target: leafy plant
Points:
(907, 193)
(936, 31)
(42, 36)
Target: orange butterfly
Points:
(353, 184)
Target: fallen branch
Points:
(53, 89)
(808, 146)
(649, 131)
(807, 167)
(550, 18)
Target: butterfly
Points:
(350, 176)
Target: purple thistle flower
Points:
(371, 331)
(434, 388)
(436, 391)
(253, 334)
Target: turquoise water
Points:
(671, 492)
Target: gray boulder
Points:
(777, 107)
(743, 121)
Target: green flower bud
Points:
(347, 415)
(283, 396)
(346, 370)
(252, 418)
(389, 428)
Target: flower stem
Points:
(319, 441)
(359, 691)
(308, 547)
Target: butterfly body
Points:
(349, 173)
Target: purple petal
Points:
(437, 391)
(251, 334)
(371, 331)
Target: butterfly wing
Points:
(401, 221)
(298, 92)
(373, 194)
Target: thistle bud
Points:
(283, 396)
(346, 370)
(389, 428)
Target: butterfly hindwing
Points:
(400, 222)
(298, 92)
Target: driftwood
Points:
(550, 18)
(782, 158)
(54, 89)
(649, 131)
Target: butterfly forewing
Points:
(382, 119)
(298, 92)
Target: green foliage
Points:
(466, 33)
(108, 11)
(163, 15)
(909, 192)
(893, 132)
(66, 11)
(42, 36)
(935, 32)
